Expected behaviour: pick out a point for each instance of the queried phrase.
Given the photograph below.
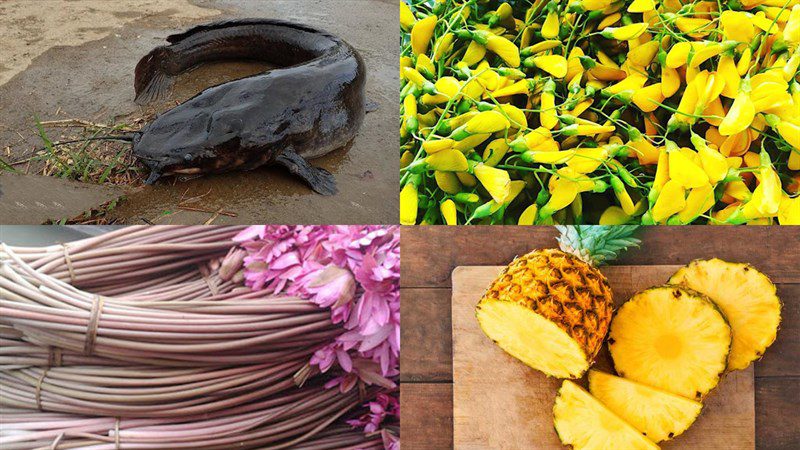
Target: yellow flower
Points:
(640, 6)
(447, 86)
(791, 31)
(648, 98)
(528, 217)
(407, 18)
(421, 34)
(520, 87)
(425, 66)
(437, 145)
(714, 164)
(614, 215)
(726, 69)
(448, 208)
(670, 200)
(699, 200)
(643, 55)
(450, 160)
(443, 46)
(555, 65)
(515, 115)
(547, 113)
(625, 33)
(693, 26)
(789, 209)
(474, 54)
(767, 196)
(562, 193)
(737, 25)
(684, 170)
(496, 181)
(505, 49)
(448, 182)
(628, 86)
(550, 26)
(408, 204)
(494, 152)
(487, 122)
(587, 160)
(670, 81)
(548, 157)
(741, 114)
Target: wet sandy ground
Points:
(92, 79)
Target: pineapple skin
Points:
(563, 289)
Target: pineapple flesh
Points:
(549, 309)
(658, 414)
(746, 297)
(671, 338)
(584, 423)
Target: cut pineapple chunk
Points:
(550, 310)
(658, 414)
(584, 423)
(746, 297)
(671, 338)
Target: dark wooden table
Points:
(429, 255)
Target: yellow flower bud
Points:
(448, 209)
(443, 46)
(447, 181)
(528, 216)
(625, 33)
(407, 18)
(551, 25)
(421, 34)
(409, 201)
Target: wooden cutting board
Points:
(499, 403)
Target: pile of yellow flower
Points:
(600, 111)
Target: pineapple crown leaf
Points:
(596, 244)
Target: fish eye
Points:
(188, 157)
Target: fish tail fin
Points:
(152, 82)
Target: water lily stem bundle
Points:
(146, 338)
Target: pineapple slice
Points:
(746, 297)
(656, 413)
(671, 338)
(583, 422)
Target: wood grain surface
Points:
(429, 255)
(501, 404)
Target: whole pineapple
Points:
(551, 308)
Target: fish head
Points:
(162, 157)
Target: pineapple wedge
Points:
(746, 297)
(656, 413)
(671, 338)
(582, 422)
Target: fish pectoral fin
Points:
(320, 180)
